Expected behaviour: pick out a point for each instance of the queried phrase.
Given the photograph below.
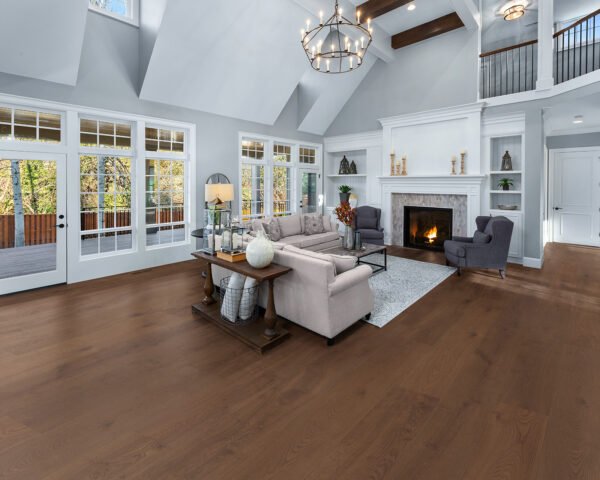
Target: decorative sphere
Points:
(260, 251)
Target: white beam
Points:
(468, 13)
(545, 45)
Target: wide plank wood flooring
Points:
(481, 379)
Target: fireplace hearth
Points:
(427, 228)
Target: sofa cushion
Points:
(363, 222)
(294, 240)
(313, 224)
(480, 237)
(290, 225)
(272, 229)
(317, 239)
(309, 253)
(343, 263)
(328, 223)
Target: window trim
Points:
(268, 162)
(133, 18)
(36, 145)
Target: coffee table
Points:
(368, 249)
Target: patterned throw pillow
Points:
(313, 224)
(272, 230)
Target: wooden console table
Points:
(254, 334)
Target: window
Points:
(268, 183)
(29, 126)
(127, 10)
(308, 155)
(165, 187)
(106, 189)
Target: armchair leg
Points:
(368, 316)
(447, 262)
(502, 274)
(330, 342)
(459, 271)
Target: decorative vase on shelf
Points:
(260, 251)
(348, 238)
(353, 169)
(344, 166)
(344, 197)
(506, 162)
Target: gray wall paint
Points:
(436, 73)
(573, 141)
(109, 77)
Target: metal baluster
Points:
(506, 69)
(594, 46)
(580, 47)
(520, 69)
(587, 42)
(526, 67)
(556, 58)
(562, 73)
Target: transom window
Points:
(98, 133)
(282, 153)
(23, 125)
(308, 155)
(127, 10)
(164, 140)
(253, 150)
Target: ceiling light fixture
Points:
(514, 12)
(578, 119)
(411, 7)
(336, 45)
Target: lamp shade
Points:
(218, 192)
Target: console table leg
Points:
(270, 314)
(209, 287)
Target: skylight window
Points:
(126, 10)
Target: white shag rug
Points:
(404, 282)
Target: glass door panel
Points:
(309, 191)
(32, 221)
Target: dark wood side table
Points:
(253, 335)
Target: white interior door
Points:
(33, 240)
(309, 189)
(576, 197)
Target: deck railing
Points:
(39, 229)
(509, 70)
(577, 48)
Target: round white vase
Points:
(260, 251)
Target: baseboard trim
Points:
(515, 260)
(533, 262)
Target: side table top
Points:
(244, 268)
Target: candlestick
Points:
(404, 173)
(462, 162)
(392, 164)
(453, 161)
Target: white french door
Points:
(309, 190)
(575, 197)
(33, 223)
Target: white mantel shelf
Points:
(435, 177)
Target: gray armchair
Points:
(367, 222)
(488, 248)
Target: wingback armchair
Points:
(367, 221)
(488, 248)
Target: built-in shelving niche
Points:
(334, 179)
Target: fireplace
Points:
(427, 227)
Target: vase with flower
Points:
(345, 214)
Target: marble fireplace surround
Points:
(462, 193)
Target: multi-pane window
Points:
(29, 126)
(282, 190)
(105, 199)
(252, 150)
(126, 9)
(98, 133)
(253, 190)
(282, 153)
(165, 188)
(164, 140)
(307, 155)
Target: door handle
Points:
(60, 225)
(557, 208)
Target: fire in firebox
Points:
(427, 227)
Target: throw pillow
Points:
(343, 263)
(480, 237)
(327, 223)
(313, 224)
(290, 225)
(272, 230)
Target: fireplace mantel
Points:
(468, 185)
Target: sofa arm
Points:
(347, 280)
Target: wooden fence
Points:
(40, 228)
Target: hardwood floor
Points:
(481, 379)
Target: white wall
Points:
(436, 73)
(109, 78)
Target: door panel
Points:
(32, 221)
(576, 198)
(309, 190)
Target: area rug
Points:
(404, 283)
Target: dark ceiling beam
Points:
(375, 8)
(431, 29)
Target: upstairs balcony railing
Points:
(509, 70)
(577, 48)
(514, 69)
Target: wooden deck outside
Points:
(16, 262)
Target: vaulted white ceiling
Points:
(42, 39)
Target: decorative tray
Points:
(508, 207)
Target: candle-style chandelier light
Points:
(336, 45)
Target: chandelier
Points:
(514, 12)
(336, 45)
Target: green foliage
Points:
(345, 188)
(505, 182)
(38, 185)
